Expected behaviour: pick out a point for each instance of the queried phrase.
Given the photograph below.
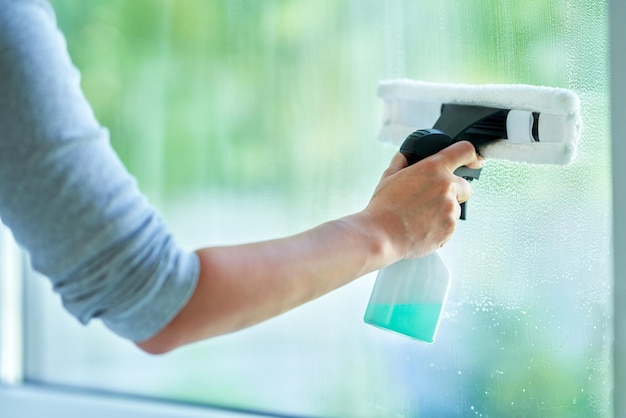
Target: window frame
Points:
(34, 400)
(19, 397)
(617, 67)
(11, 310)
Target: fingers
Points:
(460, 154)
(398, 162)
(463, 189)
(457, 155)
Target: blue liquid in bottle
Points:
(418, 321)
(408, 297)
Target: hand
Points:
(418, 206)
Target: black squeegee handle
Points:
(426, 142)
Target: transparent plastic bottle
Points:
(408, 297)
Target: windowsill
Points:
(32, 400)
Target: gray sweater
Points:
(66, 196)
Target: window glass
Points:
(245, 120)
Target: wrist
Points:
(378, 244)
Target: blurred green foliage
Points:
(200, 93)
(248, 93)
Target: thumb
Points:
(460, 154)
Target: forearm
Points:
(243, 285)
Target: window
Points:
(246, 120)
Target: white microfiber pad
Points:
(410, 105)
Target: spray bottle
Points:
(409, 295)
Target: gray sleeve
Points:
(66, 196)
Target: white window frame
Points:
(34, 401)
(617, 37)
(18, 398)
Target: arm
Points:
(67, 197)
(71, 204)
(413, 212)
